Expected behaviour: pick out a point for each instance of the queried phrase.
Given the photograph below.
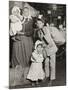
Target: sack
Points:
(57, 36)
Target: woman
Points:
(22, 47)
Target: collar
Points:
(29, 17)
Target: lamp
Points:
(54, 6)
(59, 17)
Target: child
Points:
(50, 48)
(36, 70)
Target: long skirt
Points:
(21, 52)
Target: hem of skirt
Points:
(35, 79)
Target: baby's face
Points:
(40, 24)
(16, 12)
(39, 49)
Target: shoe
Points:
(50, 83)
(37, 84)
(33, 84)
(46, 79)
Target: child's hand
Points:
(49, 46)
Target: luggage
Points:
(57, 36)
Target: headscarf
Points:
(38, 42)
(15, 8)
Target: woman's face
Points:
(26, 12)
(40, 24)
(39, 49)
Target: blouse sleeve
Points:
(34, 57)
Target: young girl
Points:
(36, 70)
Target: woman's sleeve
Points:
(39, 35)
(11, 32)
(34, 57)
(13, 18)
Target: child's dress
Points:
(36, 69)
(15, 25)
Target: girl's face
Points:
(40, 24)
(39, 49)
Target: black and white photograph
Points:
(37, 44)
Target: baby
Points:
(16, 24)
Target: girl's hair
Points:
(40, 45)
(42, 20)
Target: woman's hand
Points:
(23, 21)
(21, 33)
(49, 46)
